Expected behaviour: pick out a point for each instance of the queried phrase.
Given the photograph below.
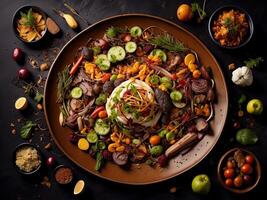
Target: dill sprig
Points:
(64, 81)
(251, 63)
(168, 42)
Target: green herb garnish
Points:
(28, 18)
(200, 11)
(38, 97)
(64, 82)
(251, 63)
(25, 131)
(230, 26)
(168, 42)
(99, 161)
(113, 31)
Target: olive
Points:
(51, 161)
(87, 53)
(24, 73)
(102, 44)
(17, 54)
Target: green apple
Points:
(255, 107)
(201, 184)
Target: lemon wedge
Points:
(79, 187)
(21, 103)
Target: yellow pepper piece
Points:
(189, 58)
(121, 76)
(83, 144)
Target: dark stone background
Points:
(14, 186)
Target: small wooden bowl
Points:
(222, 163)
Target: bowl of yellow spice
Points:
(27, 159)
(29, 24)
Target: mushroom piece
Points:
(200, 86)
(201, 124)
(120, 158)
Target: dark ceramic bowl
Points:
(17, 16)
(256, 173)
(35, 171)
(215, 16)
(63, 166)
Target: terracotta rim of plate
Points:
(167, 22)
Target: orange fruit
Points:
(184, 12)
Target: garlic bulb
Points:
(242, 76)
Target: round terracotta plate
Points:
(141, 174)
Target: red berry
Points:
(17, 54)
(51, 161)
(24, 73)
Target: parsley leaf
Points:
(25, 131)
(251, 63)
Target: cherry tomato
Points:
(249, 159)
(229, 182)
(246, 169)
(24, 73)
(230, 164)
(17, 54)
(229, 173)
(184, 12)
(247, 179)
(51, 161)
(238, 181)
(154, 139)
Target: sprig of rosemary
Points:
(64, 81)
(251, 63)
(168, 42)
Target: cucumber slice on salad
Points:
(101, 127)
(92, 137)
(116, 54)
(136, 31)
(130, 47)
(102, 62)
(76, 92)
(161, 54)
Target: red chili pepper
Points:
(96, 111)
(76, 65)
(105, 77)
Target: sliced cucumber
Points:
(76, 92)
(130, 47)
(92, 137)
(102, 62)
(136, 31)
(116, 54)
(101, 127)
(161, 54)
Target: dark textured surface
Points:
(14, 186)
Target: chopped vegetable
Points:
(116, 54)
(156, 150)
(246, 136)
(176, 95)
(76, 65)
(102, 114)
(136, 31)
(101, 99)
(112, 31)
(154, 79)
(92, 137)
(26, 129)
(83, 144)
(103, 62)
(166, 82)
(161, 54)
(170, 136)
(130, 47)
(76, 93)
(99, 161)
(101, 127)
(96, 111)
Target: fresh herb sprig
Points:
(26, 129)
(196, 8)
(230, 26)
(113, 31)
(28, 18)
(168, 42)
(64, 81)
(251, 63)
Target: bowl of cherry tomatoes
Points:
(239, 170)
